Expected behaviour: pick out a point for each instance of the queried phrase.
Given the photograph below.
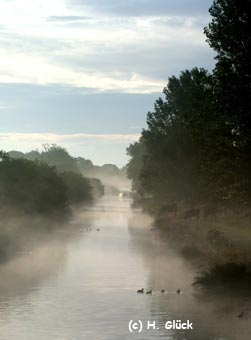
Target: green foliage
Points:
(110, 170)
(16, 154)
(36, 188)
(165, 161)
(78, 188)
(97, 188)
(57, 156)
(229, 35)
(109, 174)
(197, 145)
(87, 168)
(136, 151)
(85, 165)
(53, 155)
(33, 155)
(46, 187)
(32, 188)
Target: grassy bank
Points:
(220, 248)
(222, 240)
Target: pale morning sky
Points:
(83, 74)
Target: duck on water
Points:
(140, 291)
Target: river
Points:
(82, 285)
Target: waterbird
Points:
(241, 315)
(178, 291)
(162, 290)
(149, 291)
(140, 291)
(98, 229)
(245, 313)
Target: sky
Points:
(83, 74)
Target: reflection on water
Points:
(85, 287)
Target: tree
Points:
(16, 154)
(230, 36)
(85, 165)
(57, 156)
(165, 161)
(133, 169)
(78, 188)
(32, 188)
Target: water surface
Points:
(85, 287)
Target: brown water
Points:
(85, 287)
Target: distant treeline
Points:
(196, 148)
(47, 184)
(110, 175)
(55, 155)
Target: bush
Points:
(78, 188)
(32, 188)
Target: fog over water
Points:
(82, 284)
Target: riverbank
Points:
(219, 248)
(222, 240)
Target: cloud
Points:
(119, 50)
(3, 107)
(39, 138)
(20, 68)
(103, 45)
(145, 7)
(67, 18)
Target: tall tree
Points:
(198, 140)
(172, 140)
(229, 35)
(136, 151)
(57, 156)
